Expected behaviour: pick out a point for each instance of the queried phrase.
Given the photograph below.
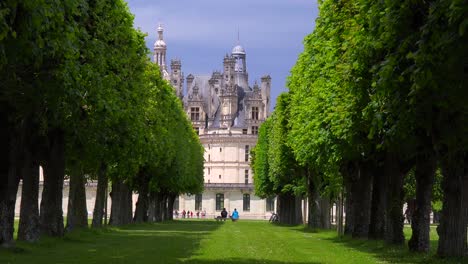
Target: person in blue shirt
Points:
(235, 215)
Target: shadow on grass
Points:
(385, 252)
(243, 261)
(394, 253)
(168, 242)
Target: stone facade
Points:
(226, 113)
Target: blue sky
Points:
(201, 32)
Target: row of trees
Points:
(80, 98)
(379, 91)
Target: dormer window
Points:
(255, 130)
(195, 113)
(255, 113)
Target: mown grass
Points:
(210, 242)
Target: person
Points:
(191, 214)
(235, 215)
(224, 214)
(183, 213)
(198, 214)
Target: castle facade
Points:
(226, 113)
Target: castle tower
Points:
(160, 53)
(228, 97)
(266, 88)
(177, 77)
(229, 64)
(241, 76)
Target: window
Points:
(219, 201)
(255, 130)
(176, 203)
(246, 202)
(244, 131)
(198, 202)
(209, 157)
(270, 204)
(194, 113)
(209, 170)
(197, 130)
(220, 176)
(247, 149)
(246, 176)
(220, 149)
(255, 113)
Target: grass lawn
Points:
(210, 242)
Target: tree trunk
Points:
(313, 197)
(141, 210)
(158, 214)
(298, 209)
(77, 215)
(51, 214)
(7, 208)
(100, 201)
(3, 190)
(288, 206)
(164, 207)
(453, 223)
(379, 204)
(420, 224)
(121, 209)
(325, 221)
(394, 175)
(29, 227)
(349, 172)
(362, 195)
(170, 205)
(5, 146)
(152, 207)
(339, 214)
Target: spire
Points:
(160, 52)
(238, 38)
(160, 31)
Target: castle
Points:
(226, 113)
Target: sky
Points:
(201, 32)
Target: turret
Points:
(229, 64)
(189, 81)
(266, 88)
(241, 77)
(228, 95)
(177, 77)
(160, 53)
